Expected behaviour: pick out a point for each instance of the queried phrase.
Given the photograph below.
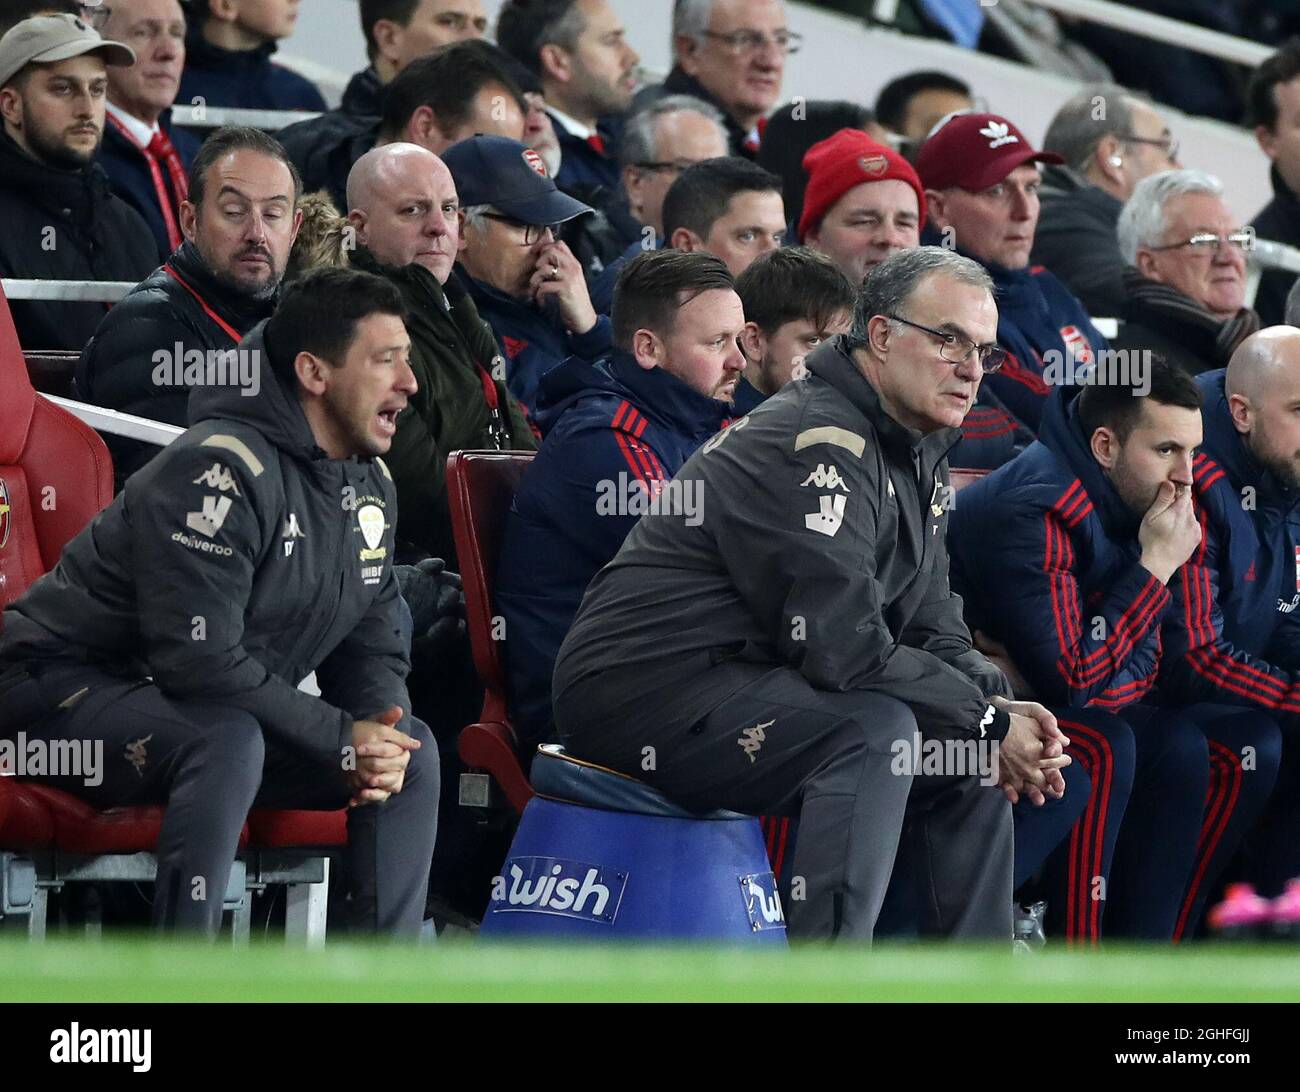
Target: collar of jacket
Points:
(1284, 195)
(201, 53)
(1066, 183)
(363, 96)
(1226, 446)
(414, 274)
(679, 83)
(243, 312)
(274, 411)
(663, 393)
(833, 362)
(1061, 432)
(522, 311)
(76, 194)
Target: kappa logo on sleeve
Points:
(291, 532)
(824, 478)
(219, 478)
(829, 515)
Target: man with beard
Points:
(1231, 634)
(1066, 559)
(61, 220)
(239, 223)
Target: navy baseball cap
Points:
(510, 176)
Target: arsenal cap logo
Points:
(535, 161)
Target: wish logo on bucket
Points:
(568, 889)
(762, 901)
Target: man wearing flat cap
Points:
(61, 220)
(981, 187)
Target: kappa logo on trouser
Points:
(137, 755)
(751, 739)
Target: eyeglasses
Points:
(532, 232)
(95, 14)
(1206, 242)
(742, 42)
(1168, 143)
(676, 166)
(956, 349)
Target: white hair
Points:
(1142, 222)
(691, 18)
(474, 216)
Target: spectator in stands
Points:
(405, 210)
(209, 728)
(731, 53)
(398, 32)
(325, 238)
(773, 644)
(146, 159)
(434, 102)
(1230, 635)
(239, 223)
(1274, 103)
(1110, 141)
(579, 50)
(1090, 527)
(915, 103)
(728, 207)
(659, 142)
(618, 428)
(662, 140)
(794, 299)
(1185, 275)
(981, 187)
(526, 284)
(228, 57)
(863, 202)
(61, 220)
(795, 128)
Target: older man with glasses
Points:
(787, 646)
(731, 53)
(524, 280)
(1185, 276)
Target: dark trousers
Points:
(208, 764)
(778, 746)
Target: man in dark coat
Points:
(61, 220)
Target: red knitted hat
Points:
(847, 159)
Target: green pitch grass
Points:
(141, 969)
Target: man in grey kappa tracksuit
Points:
(775, 642)
(254, 550)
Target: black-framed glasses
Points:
(532, 232)
(1206, 242)
(956, 349)
(1168, 143)
(743, 42)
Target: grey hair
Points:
(1076, 130)
(638, 144)
(1142, 221)
(474, 215)
(691, 18)
(889, 286)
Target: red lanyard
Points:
(231, 332)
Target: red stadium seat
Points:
(480, 487)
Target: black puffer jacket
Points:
(65, 225)
(180, 303)
(283, 555)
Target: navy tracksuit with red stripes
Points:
(1047, 558)
(611, 431)
(1233, 635)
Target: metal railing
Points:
(15, 288)
(213, 117)
(117, 423)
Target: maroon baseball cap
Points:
(975, 151)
